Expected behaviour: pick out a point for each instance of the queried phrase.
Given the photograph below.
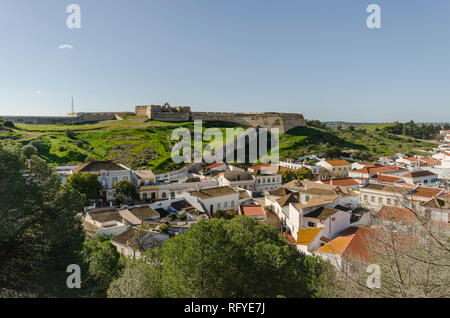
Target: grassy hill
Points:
(137, 142)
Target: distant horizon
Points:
(316, 58)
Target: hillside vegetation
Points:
(137, 142)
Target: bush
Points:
(89, 159)
(79, 144)
(164, 228)
(9, 124)
(62, 148)
(70, 133)
(29, 151)
(37, 144)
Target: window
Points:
(380, 200)
(307, 198)
(388, 201)
(311, 224)
(114, 180)
(372, 199)
(163, 195)
(232, 203)
(273, 179)
(144, 196)
(365, 197)
(225, 204)
(218, 205)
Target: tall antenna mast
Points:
(72, 106)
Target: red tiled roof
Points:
(426, 192)
(397, 215)
(338, 162)
(253, 210)
(290, 238)
(411, 159)
(387, 178)
(344, 182)
(214, 165)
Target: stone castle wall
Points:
(283, 121)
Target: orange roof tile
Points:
(338, 162)
(397, 215)
(344, 182)
(214, 165)
(253, 210)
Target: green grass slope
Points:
(137, 142)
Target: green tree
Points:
(102, 266)
(87, 184)
(287, 175)
(29, 151)
(221, 258)
(223, 214)
(333, 152)
(125, 190)
(40, 227)
(304, 173)
(138, 280)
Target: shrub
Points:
(37, 144)
(29, 151)
(70, 133)
(164, 228)
(79, 144)
(9, 124)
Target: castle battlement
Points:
(283, 121)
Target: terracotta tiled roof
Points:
(396, 215)
(306, 236)
(426, 192)
(387, 178)
(336, 163)
(214, 165)
(344, 182)
(253, 210)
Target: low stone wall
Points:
(40, 120)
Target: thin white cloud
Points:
(65, 46)
(39, 92)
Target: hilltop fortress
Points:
(283, 121)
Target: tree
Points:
(102, 265)
(87, 184)
(29, 151)
(222, 258)
(287, 175)
(413, 257)
(70, 133)
(223, 214)
(138, 280)
(333, 152)
(125, 190)
(40, 227)
(304, 173)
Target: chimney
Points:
(331, 181)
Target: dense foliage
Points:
(223, 258)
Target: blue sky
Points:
(313, 57)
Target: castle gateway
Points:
(283, 121)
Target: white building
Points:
(108, 174)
